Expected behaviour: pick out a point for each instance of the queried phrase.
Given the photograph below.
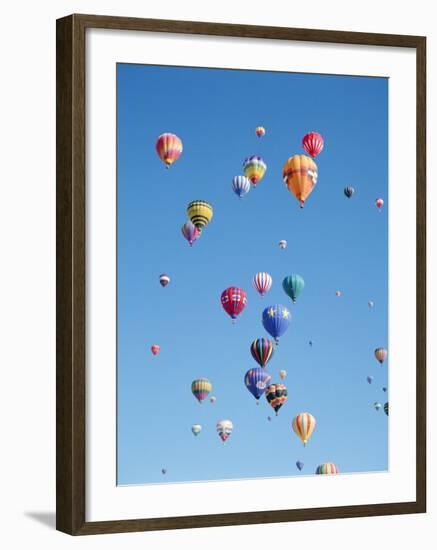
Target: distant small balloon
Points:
(349, 191)
(224, 429)
(371, 304)
(370, 379)
(386, 406)
(379, 203)
(190, 232)
(313, 143)
(299, 465)
(155, 349)
(213, 399)
(384, 389)
(196, 429)
(260, 131)
(311, 343)
(269, 418)
(164, 279)
(282, 244)
(338, 293)
(328, 468)
(377, 406)
(164, 471)
(282, 374)
(381, 354)
(241, 185)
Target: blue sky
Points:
(334, 243)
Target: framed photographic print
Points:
(240, 274)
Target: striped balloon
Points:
(313, 143)
(386, 408)
(349, 191)
(241, 185)
(201, 388)
(381, 354)
(303, 426)
(276, 395)
(169, 148)
(254, 168)
(233, 301)
(200, 213)
(262, 282)
(262, 351)
(164, 279)
(190, 232)
(328, 468)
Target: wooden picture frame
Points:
(71, 283)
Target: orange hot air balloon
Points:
(300, 176)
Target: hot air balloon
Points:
(260, 131)
(224, 429)
(201, 388)
(282, 244)
(276, 395)
(379, 203)
(200, 213)
(300, 176)
(328, 468)
(276, 320)
(254, 168)
(233, 300)
(370, 304)
(269, 418)
(190, 232)
(299, 465)
(384, 389)
(262, 351)
(169, 148)
(337, 293)
(213, 399)
(386, 408)
(262, 282)
(163, 471)
(282, 374)
(256, 381)
(293, 285)
(164, 279)
(311, 343)
(196, 429)
(377, 405)
(241, 185)
(349, 191)
(155, 349)
(313, 143)
(381, 354)
(370, 379)
(303, 426)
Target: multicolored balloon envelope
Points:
(190, 232)
(303, 426)
(254, 168)
(313, 143)
(276, 320)
(164, 279)
(256, 381)
(155, 349)
(276, 395)
(224, 429)
(169, 148)
(262, 282)
(201, 388)
(293, 285)
(241, 185)
(381, 354)
(282, 244)
(233, 301)
(200, 213)
(328, 468)
(349, 191)
(300, 177)
(262, 351)
(260, 131)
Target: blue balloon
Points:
(370, 379)
(241, 185)
(256, 381)
(276, 320)
(300, 465)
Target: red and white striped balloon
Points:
(313, 143)
(262, 282)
